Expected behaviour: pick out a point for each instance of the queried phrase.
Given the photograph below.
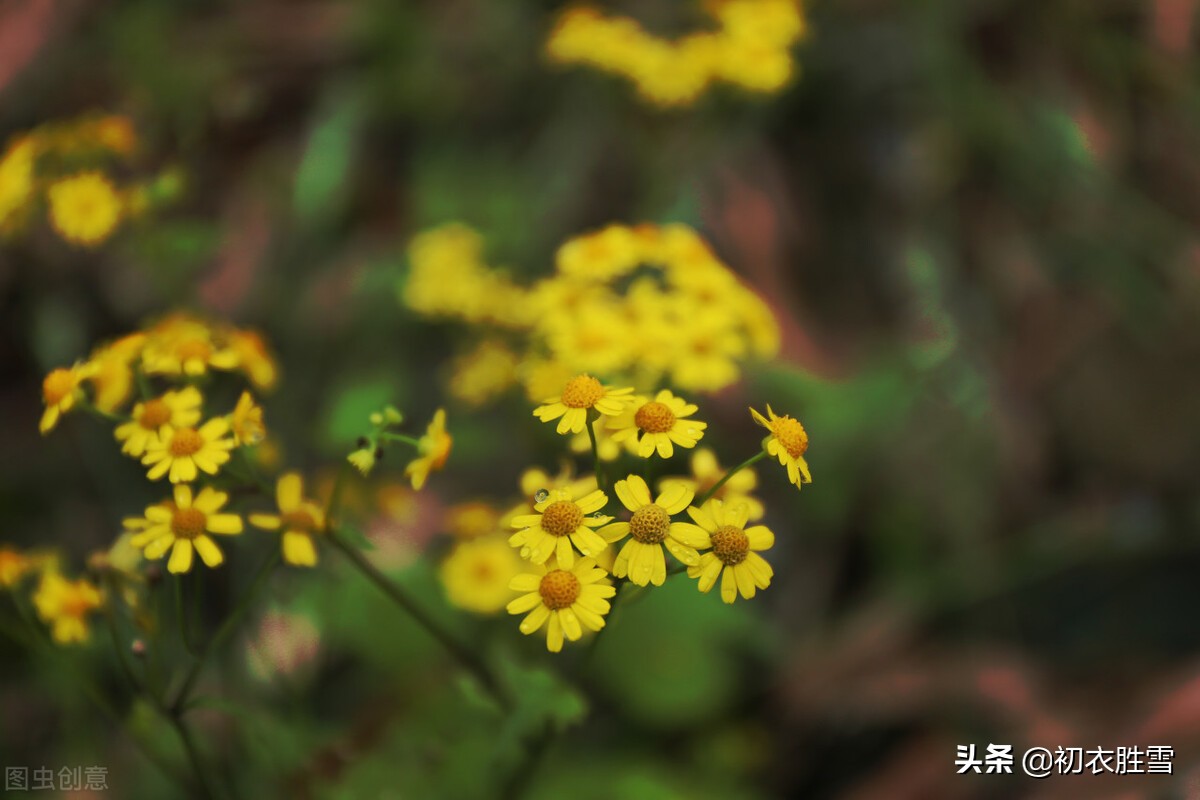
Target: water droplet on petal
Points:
(540, 495)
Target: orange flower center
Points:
(650, 524)
(188, 523)
(155, 414)
(562, 518)
(186, 442)
(559, 589)
(582, 391)
(730, 544)
(791, 435)
(57, 385)
(76, 605)
(654, 417)
(299, 520)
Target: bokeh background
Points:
(976, 222)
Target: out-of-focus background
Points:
(976, 224)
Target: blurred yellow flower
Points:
(601, 256)
(788, 442)
(472, 520)
(300, 519)
(179, 409)
(84, 208)
(246, 421)
(568, 599)
(16, 177)
(14, 565)
(707, 471)
(183, 345)
(582, 393)
(656, 425)
(363, 460)
(253, 358)
(559, 521)
(61, 390)
(483, 373)
(65, 606)
(182, 525)
(650, 530)
(476, 574)
(732, 551)
(434, 448)
(112, 375)
(184, 452)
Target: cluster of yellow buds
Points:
(750, 49)
(68, 169)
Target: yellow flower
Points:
(706, 471)
(254, 358)
(14, 565)
(656, 424)
(60, 391)
(181, 345)
(583, 392)
(606, 445)
(476, 574)
(246, 421)
(642, 556)
(363, 459)
(182, 524)
(185, 451)
(112, 377)
(65, 606)
(16, 177)
(154, 419)
(84, 208)
(434, 449)
(605, 254)
(472, 520)
(484, 373)
(298, 517)
(788, 442)
(733, 555)
(560, 521)
(569, 599)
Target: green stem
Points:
(704, 498)
(400, 437)
(223, 632)
(193, 754)
(591, 651)
(87, 406)
(180, 617)
(335, 496)
(466, 659)
(600, 481)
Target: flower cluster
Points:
(578, 543)
(67, 169)
(645, 304)
(750, 49)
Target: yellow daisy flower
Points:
(583, 392)
(569, 599)
(183, 524)
(788, 442)
(14, 565)
(560, 521)
(476, 574)
(65, 606)
(246, 421)
(60, 391)
(658, 424)
(16, 176)
(299, 517)
(642, 556)
(112, 379)
(183, 452)
(707, 471)
(172, 410)
(434, 448)
(733, 555)
(183, 345)
(84, 208)
(254, 358)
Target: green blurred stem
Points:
(600, 481)
(468, 660)
(180, 617)
(227, 628)
(335, 497)
(87, 406)
(399, 437)
(621, 583)
(193, 754)
(704, 498)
